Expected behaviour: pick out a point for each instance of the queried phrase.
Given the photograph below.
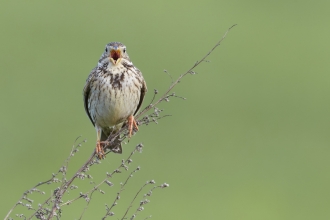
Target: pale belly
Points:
(111, 106)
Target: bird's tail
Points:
(115, 146)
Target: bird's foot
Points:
(100, 149)
(131, 123)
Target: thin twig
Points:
(66, 185)
(122, 185)
(103, 181)
(26, 192)
(131, 204)
(181, 76)
(83, 212)
(146, 201)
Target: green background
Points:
(250, 142)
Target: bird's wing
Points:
(144, 90)
(86, 93)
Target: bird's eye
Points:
(124, 50)
(106, 49)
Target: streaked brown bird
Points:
(113, 94)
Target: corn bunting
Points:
(113, 94)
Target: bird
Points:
(113, 94)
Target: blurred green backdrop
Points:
(250, 142)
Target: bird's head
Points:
(115, 52)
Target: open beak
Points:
(115, 56)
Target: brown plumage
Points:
(113, 94)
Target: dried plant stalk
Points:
(56, 199)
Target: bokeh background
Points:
(250, 142)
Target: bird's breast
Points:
(114, 97)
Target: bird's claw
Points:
(100, 149)
(131, 123)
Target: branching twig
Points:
(145, 201)
(56, 198)
(130, 205)
(27, 192)
(190, 71)
(109, 175)
(47, 181)
(65, 186)
(109, 213)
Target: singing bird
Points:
(113, 94)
